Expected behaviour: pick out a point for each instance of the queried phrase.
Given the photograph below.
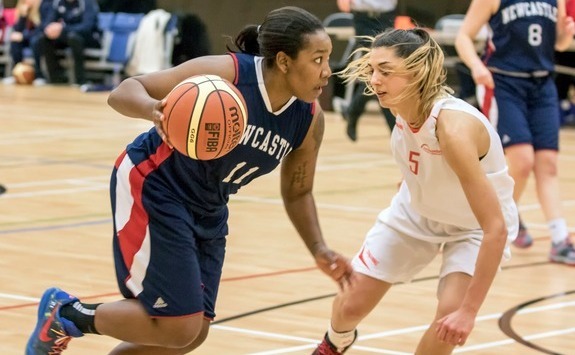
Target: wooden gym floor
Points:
(57, 147)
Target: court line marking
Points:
(94, 183)
(19, 297)
(313, 342)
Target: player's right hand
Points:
(336, 266)
(482, 76)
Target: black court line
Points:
(507, 329)
(317, 298)
(305, 300)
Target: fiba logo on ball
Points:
(205, 117)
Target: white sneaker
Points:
(39, 82)
(9, 80)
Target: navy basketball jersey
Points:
(206, 185)
(523, 37)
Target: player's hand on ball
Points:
(335, 265)
(158, 119)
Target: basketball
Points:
(205, 117)
(23, 73)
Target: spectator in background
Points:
(69, 23)
(565, 81)
(26, 25)
(517, 92)
(369, 18)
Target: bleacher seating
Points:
(118, 33)
(118, 39)
(118, 44)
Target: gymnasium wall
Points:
(227, 17)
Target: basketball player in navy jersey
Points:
(456, 198)
(170, 212)
(516, 90)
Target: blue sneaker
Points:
(52, 333)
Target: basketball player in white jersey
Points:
(456, 196)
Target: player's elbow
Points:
(496, 232)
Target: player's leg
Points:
(457, 268)
(511, 99)
(127, 320)
(349, 307)
(387, 256)
(129, 348)
(451, 290)
(155, 247)
(210, 256)
(545, 124)
(547, 183)
(354, 303)
(355, 109)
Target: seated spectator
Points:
(26, 25)
(72, 24)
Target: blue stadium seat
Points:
(117, 43)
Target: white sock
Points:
(558, 228)
(340, 340)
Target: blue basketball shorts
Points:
(524, 110)
(166, 256)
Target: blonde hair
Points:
(422, 60)
(33, 13)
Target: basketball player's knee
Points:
(202, 336)
(547, 166)
(524, 164)
(445, 308)
(179, 335)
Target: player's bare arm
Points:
(482, 11)
(140, 96)
(464, 140)
(297, 175)
(565, 28)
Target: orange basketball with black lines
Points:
(205, 117)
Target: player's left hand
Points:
(158, 119)
(455, 327)
(336, 266)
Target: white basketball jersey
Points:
(431, 188)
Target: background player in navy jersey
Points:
(456, 197)
(170, 212)
(516, 90)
